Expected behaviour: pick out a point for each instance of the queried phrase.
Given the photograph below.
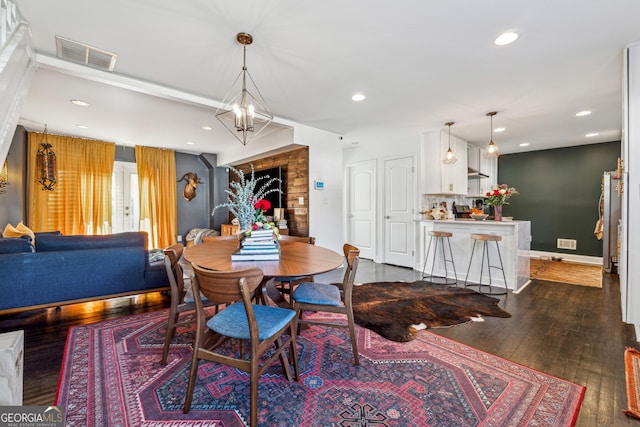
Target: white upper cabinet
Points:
(438, 178)
(482, 172)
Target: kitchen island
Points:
(514, 248)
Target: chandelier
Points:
(449, 157)
(46, 168)
(244, 112)
(492, 149)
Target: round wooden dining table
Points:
(296, 259)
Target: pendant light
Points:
(4, 176)
(449, 157)
(46, 166)
(492, 149)
(246, 113)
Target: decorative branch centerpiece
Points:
(246, 201)
(499, 197)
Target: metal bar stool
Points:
(440, 237)
(486, 238)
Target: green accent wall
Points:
(559, 192)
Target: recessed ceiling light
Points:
(82, 127)
(506, 38)
(583, 113)
(591, 135)
(206, 127)
(80, 102)
(524, 144)
(190, 143)
(358, 97)
(499, 129)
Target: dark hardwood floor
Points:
(570, 331)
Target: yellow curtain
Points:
(158, 202)
(80, 202)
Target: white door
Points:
(125, 201)
(361, 207)
(399, 211)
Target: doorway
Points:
(399, 203)
(361, 203)
(125, 199)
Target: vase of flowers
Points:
(499, 197)
(246, 198)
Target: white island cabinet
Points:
(514, 249)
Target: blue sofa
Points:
(60, 270)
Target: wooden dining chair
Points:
(213, 239)
(324, 297)
(286, 284)
(260, 326)
(181, 297)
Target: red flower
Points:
(263, 204)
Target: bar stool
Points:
(440, 237)
(485, 239)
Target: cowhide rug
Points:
(391, 309)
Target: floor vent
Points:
(84, 54)
(567, 244)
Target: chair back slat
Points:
(213, 239)
(352, 257)
(310, 240)
(172, 255)
(222, 286)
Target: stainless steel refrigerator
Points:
(609, 209)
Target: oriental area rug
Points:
(111, 375)
(397, 310)
(566, 272)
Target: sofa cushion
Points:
(14, 245)
(47, 243)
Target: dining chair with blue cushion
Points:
(286, 284)
(324, 297)
(181, 296)
(262, 327)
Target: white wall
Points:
(630, 251)
(325, 206)
(379, 147)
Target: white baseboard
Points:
(581, 259)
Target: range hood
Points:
(474, 174)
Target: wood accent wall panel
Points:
(296, 165)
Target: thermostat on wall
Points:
(319, 185)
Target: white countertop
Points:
(473, 221)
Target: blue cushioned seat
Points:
(232, 321)
(268, 331)
(325, 297)
(318, 293)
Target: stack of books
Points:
(261, 245)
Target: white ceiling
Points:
(420, 63)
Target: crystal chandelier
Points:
(244, 112)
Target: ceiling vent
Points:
(85, 54)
